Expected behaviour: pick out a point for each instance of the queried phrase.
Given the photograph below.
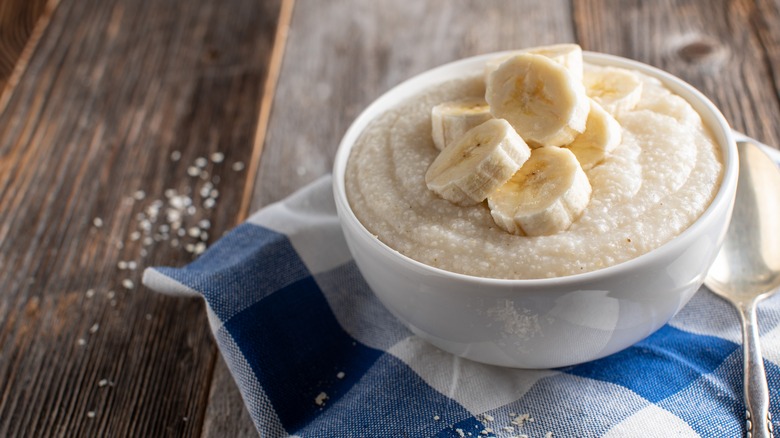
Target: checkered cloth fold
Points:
(315, 354)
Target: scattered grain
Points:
(520, 420)
(321, 398)
(217, 157)
(200, 247)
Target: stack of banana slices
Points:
(526, 147)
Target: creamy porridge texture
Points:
(651, 187)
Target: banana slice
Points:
(450, 120)
(540, 98)
(615, 89)
(480, 162)
(602, 135)
(568, 55)
(544, 197)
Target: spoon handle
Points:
(759, 420)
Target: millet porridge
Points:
(654, 185)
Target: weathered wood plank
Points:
(114, 88)
(343, 54)
(730, 50)
(764, 19)
(226, 415)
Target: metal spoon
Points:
(747, 270)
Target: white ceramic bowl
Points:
(546, 322)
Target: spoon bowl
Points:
(747, 269)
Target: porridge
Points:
(645, 185)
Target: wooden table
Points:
(118, 108)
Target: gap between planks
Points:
(269, 90)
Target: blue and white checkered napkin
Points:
(316, 355)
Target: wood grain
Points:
(17, 22)
(112, 90)
(730, 50)
(226, 415)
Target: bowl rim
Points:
(721, 133)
